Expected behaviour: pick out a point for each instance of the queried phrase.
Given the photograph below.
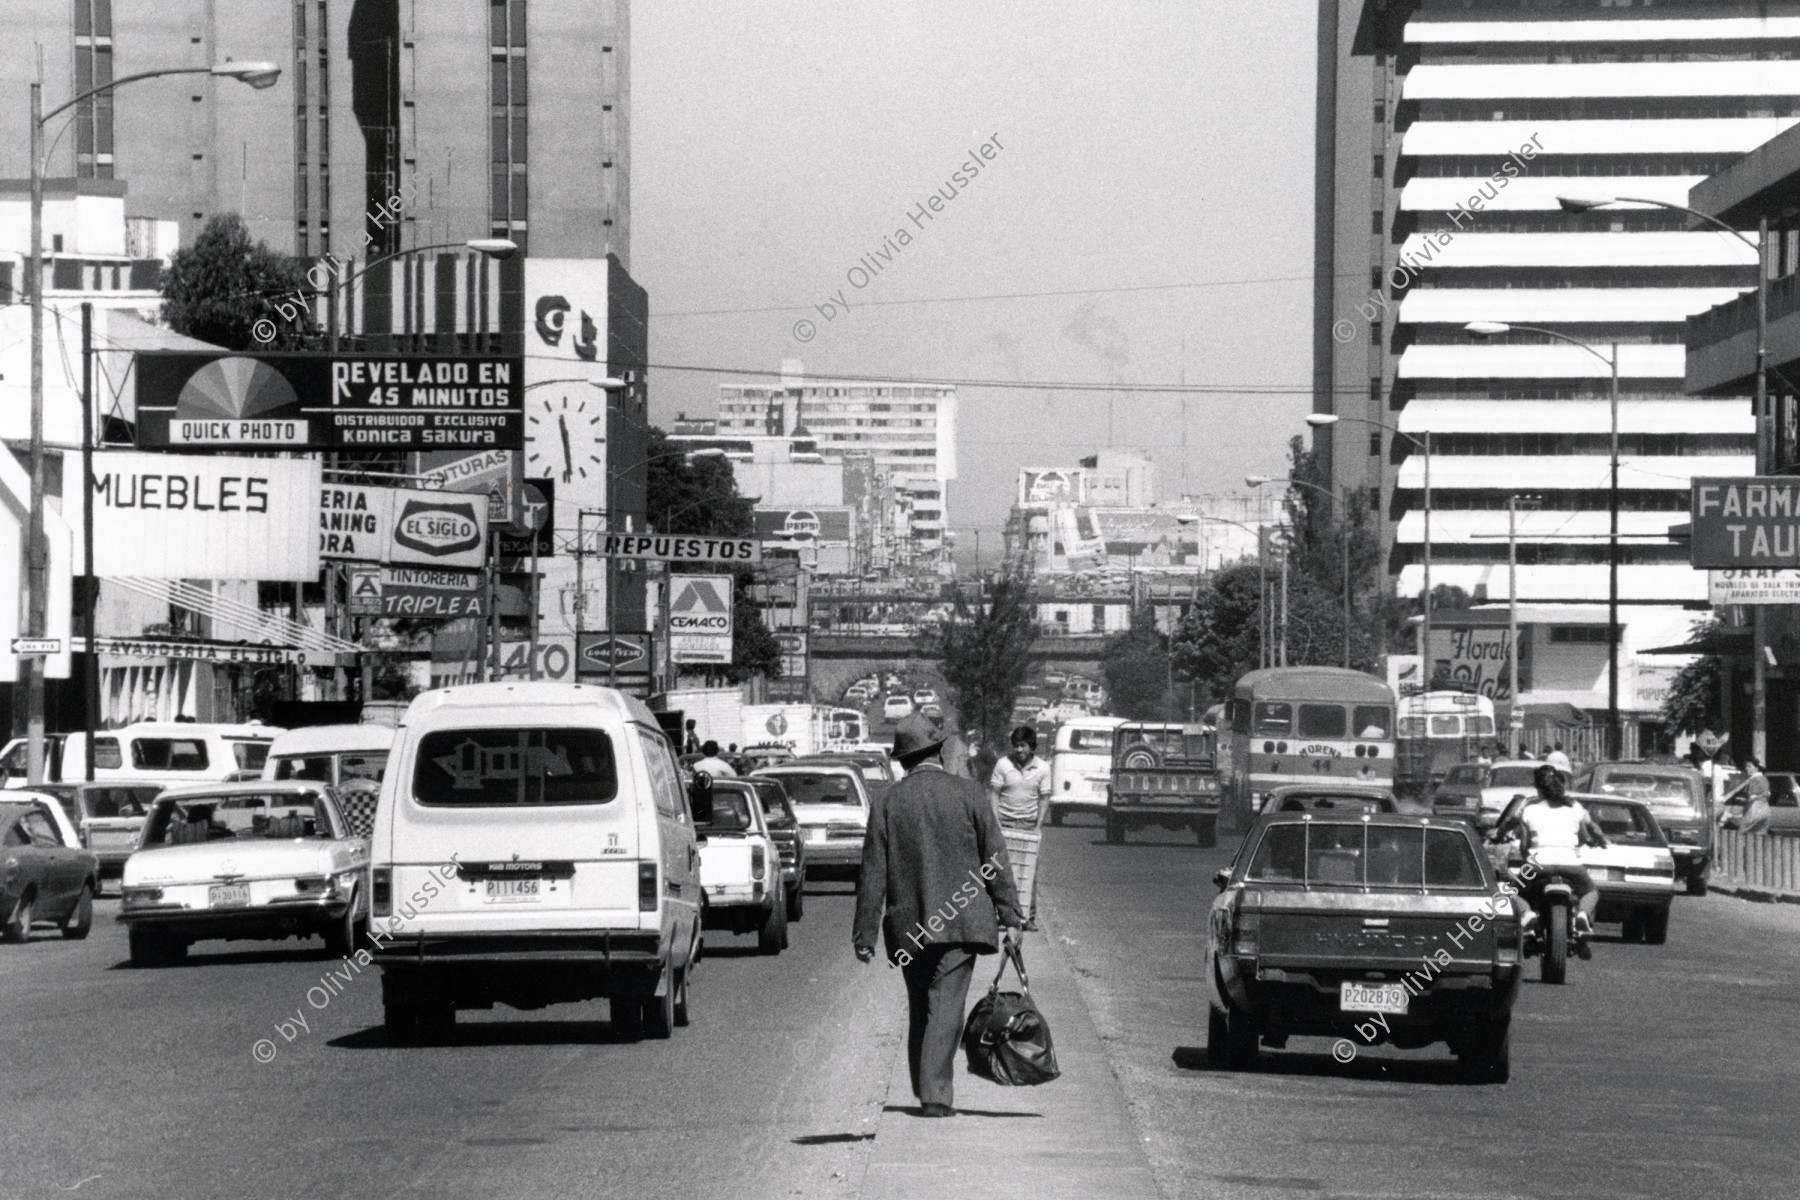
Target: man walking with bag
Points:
(936, 884)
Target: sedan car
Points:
(1678, 797)
(264, 860)
(42, 880)
(832, 806)
(1478, 792)
(895, 707)
(790, 839)
(923, 696)
(1636, 873)
(108, 818)
(1341, 798)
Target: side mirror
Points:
(1222, 878)
(700, 798)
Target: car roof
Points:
(1586, 798)
(525, 694)
(1395, 820)
(1369, 790)
(191, 728)
(249, 787)
(1650, 768)
(810, 767)
(318, 739)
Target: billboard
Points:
(167, 516)
(397, 525)
(432, 593)
(700, 618)
(492, 473)
(298, 401)
(1753, 587)
(1746, 521)
(1052, 485)
(680, 549)
(1477, 657)
(806, 524)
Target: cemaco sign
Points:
(162, 516)
(439, 530)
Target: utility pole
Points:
(1759, 629)
(1515, 719)
(1615, 741)
(36, 570)
(1284, 601)
(1263, 656)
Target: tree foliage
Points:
(754, 649)
(986, 650)
(1219, 639)
(1696, 699)
(1136, 667)
(217, 289)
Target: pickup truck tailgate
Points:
(1379, 931)
(1163, 787)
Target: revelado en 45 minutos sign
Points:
(1746, 521)
(681, 549)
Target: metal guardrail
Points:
(1756, 860)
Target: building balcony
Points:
(1721, 342)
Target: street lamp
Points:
(1765, 457)
(1258, 481)
(259, 75)
(1615, 741)
(1324, 420)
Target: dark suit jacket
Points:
(929, 838)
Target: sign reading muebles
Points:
(169, 516)
(401, 526)
(1746, 521)
(329, 402)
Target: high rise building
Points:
(1447, 131)
(908, 429)
(504, 118)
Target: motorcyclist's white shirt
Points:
(1555, 830)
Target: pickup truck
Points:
(740, 867)
(1163, 775)
(1371, 928)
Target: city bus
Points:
(1302, 725)
(1437, 731)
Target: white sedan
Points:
(233, 861)
(896, 707)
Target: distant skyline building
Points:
(1447, 130)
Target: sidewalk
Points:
(1069, 1138)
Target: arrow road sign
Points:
(26, 647)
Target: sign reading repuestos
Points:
(1746, 521)
(681, 549)
(225, 401)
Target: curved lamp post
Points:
(259, 75)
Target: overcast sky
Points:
(775, 143)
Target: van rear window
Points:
(168, 754)
(489, 767)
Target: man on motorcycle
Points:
(1553, 828)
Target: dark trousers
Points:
(937, 987)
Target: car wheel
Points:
(344, 935)
(796, 901)
(1241, 1040)
(1215, 1035)
(681, 999)
(1556, 945)
(628, 1017)
(1206, 833)
(1697, 882)
(1656, 928)
(659, 1011)
(81, 917)
(771, 937)
(1632, 927)
(1486, 1057)
(18, 926)
(1115, 829)
(148, 948)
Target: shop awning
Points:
(1728, 642)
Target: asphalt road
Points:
(1656, 1071)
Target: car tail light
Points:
(139, 896)
(1243, 932)
(1506, 937)
(308, 884)
(647, 896)
(381, 892)
(757, 866)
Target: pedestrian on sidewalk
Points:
(691, 743)
(712, 764)
(936, 884)
(1755, 794)
(1020, 789)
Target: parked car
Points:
(896, 707)
(740, 866)
(575, 861)
(1679, 798)
(43, 881)
(1479, 792)
(233, 861)
(832, 805)
(1636, 873)
(790, 841)
(1378, 927)
(108, 818)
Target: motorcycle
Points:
(1552, 932)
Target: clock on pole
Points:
(565, 434)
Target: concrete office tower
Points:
(495, 118)
(909, 429)
(1446, 131)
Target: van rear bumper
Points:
(523, 971)
(571, 946)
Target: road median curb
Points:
(1758, 894)
(1070, 1138)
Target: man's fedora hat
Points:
(914, 739)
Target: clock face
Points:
(565, 435)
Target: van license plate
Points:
(228, 895)
(1372, 997)
(514, 891)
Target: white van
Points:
(168, 752)
(533, 845)
(351, 758)
(1081, 766)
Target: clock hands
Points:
(568, 456)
